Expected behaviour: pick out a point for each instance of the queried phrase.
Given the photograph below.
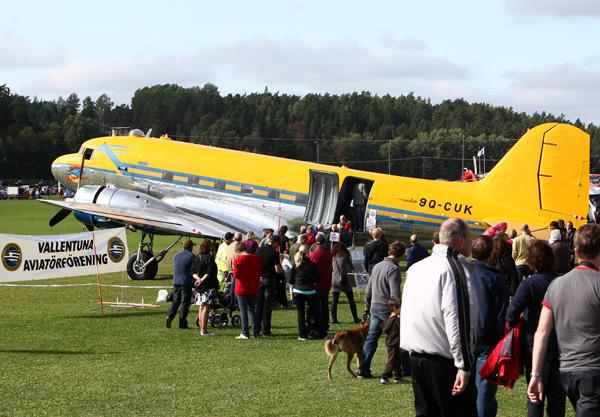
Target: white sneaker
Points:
(242, 337)
(302, 339)
(207, 334)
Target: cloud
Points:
(567, 89)
(408, 43)
(119, 76)
(556, 8)
(294, 61)
(289, 65)
(17, 52)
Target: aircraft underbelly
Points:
(246, 213)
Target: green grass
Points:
(59, 358)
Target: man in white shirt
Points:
(438, 324)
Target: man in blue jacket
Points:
(183, 282)
(416, 252)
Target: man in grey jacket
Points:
(438, 325)
(384, 284)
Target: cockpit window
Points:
(87, 153)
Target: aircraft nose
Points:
(59, 169)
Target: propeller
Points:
(59, 217)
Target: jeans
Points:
(182, 296)
(370, 346)
(312, 301)
(554, 393)
(524, 271)
(232, 297)
(264, 303)
(583, 390)
(487, 405)
(247, 305)
(324, 309)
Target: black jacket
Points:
(205, 264)
(374, 253)
(528, 300)
(508, 270)
(305, 276)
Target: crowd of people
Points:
(456, 306)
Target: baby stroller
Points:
(221, 312)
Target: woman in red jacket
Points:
(246, 270)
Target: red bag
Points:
(503, 366)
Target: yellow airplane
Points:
(160, 186)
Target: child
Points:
(391, 327)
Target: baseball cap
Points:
(320, 240)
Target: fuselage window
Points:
(219, 185)
(87, 153)
(302, 198)
(193, 180)
(246, 189)
(167, 176)
(274, 194)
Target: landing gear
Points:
(138, 266)
(144, 264)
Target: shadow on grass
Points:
(162, 277)
(52, 352)
(118, 314)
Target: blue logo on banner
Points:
(12, 257)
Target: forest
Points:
(405, 135)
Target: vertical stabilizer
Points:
(546, 173)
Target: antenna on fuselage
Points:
(149, 132)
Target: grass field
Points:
(59, 358)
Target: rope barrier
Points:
(151, 287)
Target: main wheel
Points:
(136, 269)
(236, 321)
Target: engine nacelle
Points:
(120, 198)
(95, 221)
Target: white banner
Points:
(56, 256)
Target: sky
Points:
(531, 55)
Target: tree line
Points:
(405, 135)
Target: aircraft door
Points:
(356, 213)
(322, 198)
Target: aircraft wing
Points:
(158, 218)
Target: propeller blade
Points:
(59, 217)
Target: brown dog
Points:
(349, 341)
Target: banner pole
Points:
(98, 284)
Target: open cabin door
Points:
(322, 198)
(357, 214)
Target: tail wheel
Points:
(236, 321)
(136, 269)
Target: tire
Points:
(135, 269)
(236, 321)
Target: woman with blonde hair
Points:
(304, 277)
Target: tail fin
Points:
(545, 174)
